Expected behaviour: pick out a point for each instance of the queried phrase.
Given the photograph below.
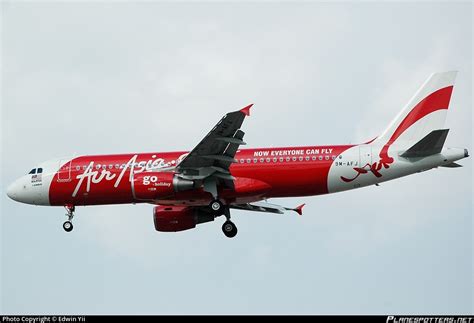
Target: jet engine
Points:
(155, 185)
(178, 218)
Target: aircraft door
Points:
(64, 173)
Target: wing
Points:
(212, 157)
(267, 207)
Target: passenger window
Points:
(248, 161)
(241, 161)
(287, 159)
(255, 160)
(320, 157)
(307, 158)
(268, 160)
(274, 159)
(313, 158)
(33, 171)
(300, 158)
(333, 157)
(294, 158)
(326, 157)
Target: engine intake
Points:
(155, 185)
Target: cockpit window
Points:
(40, 170)
(33, 171)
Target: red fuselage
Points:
(259, 173)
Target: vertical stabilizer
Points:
(425, 112)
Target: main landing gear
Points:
(229, 228)
(216, 206)
(67, 226)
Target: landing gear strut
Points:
(229, 228)
(67, 226)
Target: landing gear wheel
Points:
(216, 206)
(229, 229)
(67, 226)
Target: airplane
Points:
(190, 188)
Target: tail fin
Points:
(425, 112)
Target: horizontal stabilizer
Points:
(452, 165)
(431, 144)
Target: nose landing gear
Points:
(67, 226)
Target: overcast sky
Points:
(90, 78)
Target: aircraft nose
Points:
(24, 191)
(13, 191)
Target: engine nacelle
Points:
(178, 218)
(154, 185)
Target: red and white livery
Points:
(189, 188)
